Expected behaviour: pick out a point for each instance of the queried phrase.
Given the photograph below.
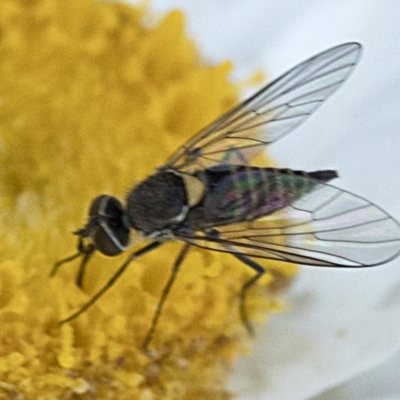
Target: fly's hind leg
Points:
(233, 156)
(243, 292)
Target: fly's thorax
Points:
(108, 227)
(162, 201)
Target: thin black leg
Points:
(243, 292)
(63, 261)
(82, 268)
(164, 294)
(112, 280)
(86, 252)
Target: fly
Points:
(207, 194)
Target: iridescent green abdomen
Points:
(237, 193)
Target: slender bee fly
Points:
(207, 194)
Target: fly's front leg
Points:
(82, 267)
(84, 251)
(243, 292)
(112, 280)
(87, 251)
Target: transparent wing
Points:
(271, 113)
(326, 227)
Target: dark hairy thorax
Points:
(157, 202)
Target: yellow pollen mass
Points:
(92, 99)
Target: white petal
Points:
(381, 383)
(342, 323)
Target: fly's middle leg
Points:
(150, 333)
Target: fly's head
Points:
(107, 229)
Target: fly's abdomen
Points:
(246, 193)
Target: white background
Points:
(343, 331)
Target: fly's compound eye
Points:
(108, 228)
